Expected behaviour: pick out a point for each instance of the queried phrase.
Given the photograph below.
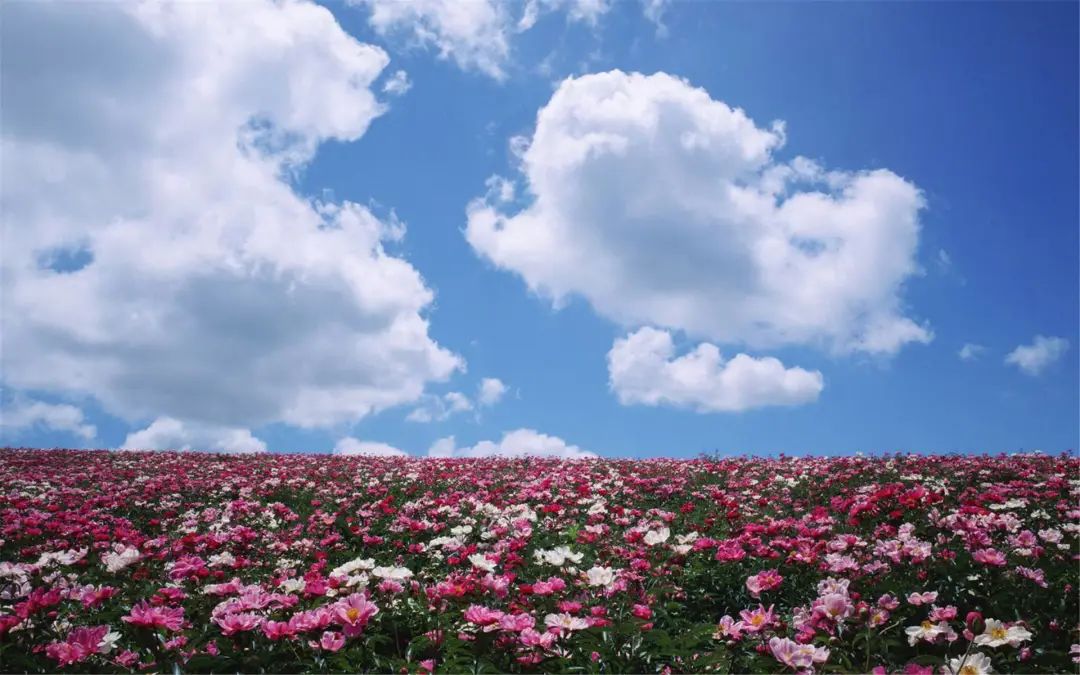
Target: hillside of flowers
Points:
(191, 562)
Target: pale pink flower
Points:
(922, 598)
(795, 655)
(332, 641)
(757, 620)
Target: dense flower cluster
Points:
(913, 564)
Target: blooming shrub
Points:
(156, 561)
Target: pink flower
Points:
(516, 622)
(390, 587)
(353, 613)
(795, 655)
(80, 643)
(482, 616)
(989, 556)
(188, 566)
(728, 551)
(947, 613)
(1035, 575)
(922, 598)
(835, 606)
(66, 653)
(763, 581)
(237, 623)
(641, 611)
(757, 620)
(142, 614)
(552, 585)
(332, 641)
(888, 602)
(531, 638)
(276, 630)
(728, 629)
(89, 638)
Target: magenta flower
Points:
(147, 616)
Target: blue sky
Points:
(160, 292)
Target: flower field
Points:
(283, 563)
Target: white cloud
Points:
(160, 142)
(660, 205)
(643, 369)
(397, 84)
(518, 443)
(654, 12)
(475, 34)
(440, 408)
(478, 34)
(22, 413)
(353, 446)
(434, 408)
(944, 260)
(167, 433)
(970, 351)
(491, 391)
(1041, 353)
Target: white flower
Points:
(996, 634)
(566, 622)
(654, 537)
(348, 568)
(394, 573)
(480, 562)
(973, 664)
(927, 631)
(292, 585)
(600, 576)
(219, 559)
(558, 556)
(108, 642)
(121, 557)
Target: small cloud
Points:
(654, 12)
(491, 391)
(518, 443)
(350, 446)
(944, 261)
(440, 408)
(970, 351)
(1033, 359)
(397, 84)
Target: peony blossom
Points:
(997, 634)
